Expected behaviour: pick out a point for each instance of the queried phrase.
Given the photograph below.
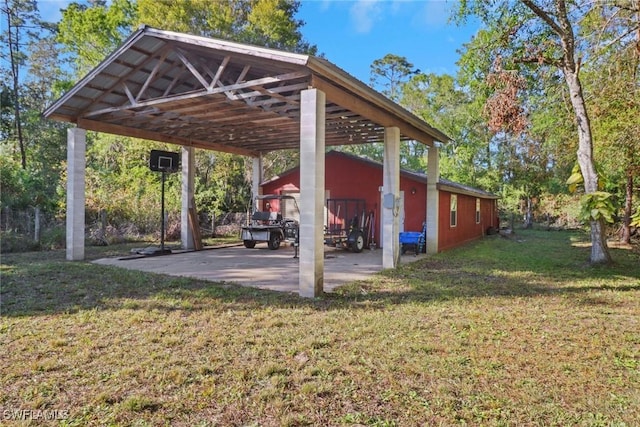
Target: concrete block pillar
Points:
(391, 199)
(312, 144)
(433, 200)
(257, 172)
(188, 190)
(76, 162)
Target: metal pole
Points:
(162, 216)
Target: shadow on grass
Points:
(530, 264)
(57, 286)
(428, 282)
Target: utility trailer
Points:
(348, 224)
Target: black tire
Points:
(274, 241)
(356, 241)
(250, 244)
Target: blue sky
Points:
(354, 33)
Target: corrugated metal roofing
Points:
(225, 96)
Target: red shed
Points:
(465, 213)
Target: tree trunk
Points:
(18, 123)
(599, 250)
(15, 67)
(625, 234)
(528, 220)
(36, 231)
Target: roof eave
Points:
(459, 190)
(344, 79)
(50, 111)
(227, 46)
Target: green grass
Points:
(501, 332)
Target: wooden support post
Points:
(194, 225)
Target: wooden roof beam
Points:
(122, 80)
(152, 74)
(155, 136)
(201, 93)
(372, 112)
(183, 57)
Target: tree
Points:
(388, 75)
(90, 33)
(390, 72)
(443, 102)
(614, 73)
(21, 18)
(31, 72)
(617, 126)
(268, 23)
(544, 34)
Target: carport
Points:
(199, 92)
(259, 268)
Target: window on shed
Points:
(454, 210)
(477, 211)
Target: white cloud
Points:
(325, 4)
(364, 13)
(434, 13)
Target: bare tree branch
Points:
(539, 60)
(620, 37)
(542, 14)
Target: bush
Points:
(54, 238)
(13, 242)
(173, 227)
(560, 211)
(228, 230)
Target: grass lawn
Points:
(501, 332)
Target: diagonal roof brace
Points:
(226, 96)
(190, 95)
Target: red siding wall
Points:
(347, 177)
(466, 228)
(289, 183)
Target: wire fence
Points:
(27, 222)
(32, 229)
(227, 224)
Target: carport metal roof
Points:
(218, 95)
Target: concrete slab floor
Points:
(259, 267)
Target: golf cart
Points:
(271, 224)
